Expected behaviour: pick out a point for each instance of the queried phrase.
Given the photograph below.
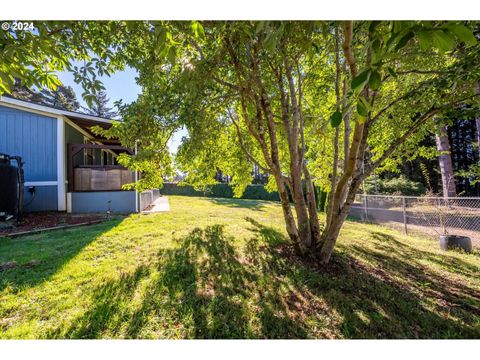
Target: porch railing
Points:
(96, 177)
(101, 178)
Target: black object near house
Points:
(11, 187)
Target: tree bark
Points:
(331, 231)
(291, 226)
(445, 160)
(312, 206)
(477, 121)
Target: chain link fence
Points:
(428, 215)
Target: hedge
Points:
(253, 191)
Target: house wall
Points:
(34, 138)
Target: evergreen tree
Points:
(22, 92)
(63, 97)
(100, 107)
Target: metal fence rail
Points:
(429, 215)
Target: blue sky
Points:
(119, 86)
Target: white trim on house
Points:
(48, 111)
(40, 183)
(61, 168)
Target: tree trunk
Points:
(312, 207)
(477, 121)
(287, 214)
(445, 161)
(330, 234)
(301, 210)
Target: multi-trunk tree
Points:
(309, 103)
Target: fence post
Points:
(404, 214)
(365, 206)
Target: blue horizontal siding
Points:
(34, 138)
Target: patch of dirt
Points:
(14, 265)
(43, 220)
(8, 265)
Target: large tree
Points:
(445, 160)
(63, 97)
(306, 102)
(100, 107)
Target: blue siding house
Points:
(67, 167)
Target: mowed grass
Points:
(222, 268)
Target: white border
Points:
(241, 350)
(245, 9)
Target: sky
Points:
(119, 86)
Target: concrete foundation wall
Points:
(147, 197)
(103, 201)
(113, 201)
(45, 199)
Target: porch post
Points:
(61, 194)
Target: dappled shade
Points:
(208, 288)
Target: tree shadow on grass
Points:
(395, 299)
(38, 257)
(389, 244)
(206, 287)
(210, 290)
(240, 203)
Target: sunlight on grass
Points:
(222, 268)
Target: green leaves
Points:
(424, 40)
(404, 40)
(363, 107)
(392, 72)
(368, 76)
(462, 33)
(336, 119)
(375, 80)
(443, 40)
(359, 81)
(197, 29)
(271, 42)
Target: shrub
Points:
(395, 186)
(254, 191)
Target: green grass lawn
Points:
(222, 268)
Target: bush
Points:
(254, 191)
(395, 186)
